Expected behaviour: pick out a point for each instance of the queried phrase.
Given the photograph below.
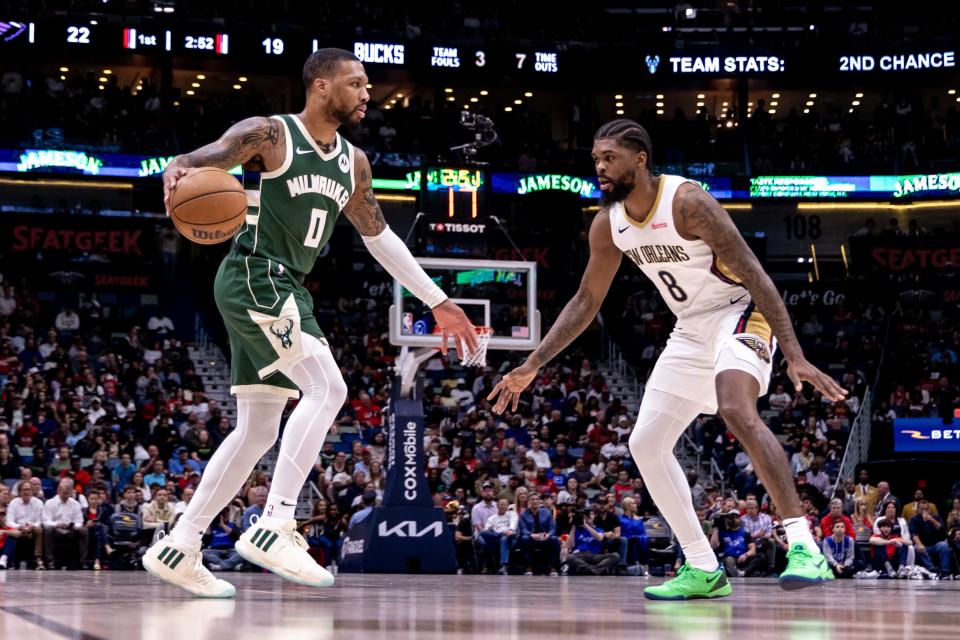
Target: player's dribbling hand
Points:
(454, 322)
(511, 386)
(800, 371)
(172, 177)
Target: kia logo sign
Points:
(408, 529)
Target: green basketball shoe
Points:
(805, 568)
(691, 583)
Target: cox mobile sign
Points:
(925, 435)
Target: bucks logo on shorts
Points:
(283, 333)
(282, 330)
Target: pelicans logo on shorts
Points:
(758, 346)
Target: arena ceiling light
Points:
(238, 86)
(659, 104)
(484, 92)
(65, 69)
(619, 96)
(191, 92)
(107, 72)
(951, 91)
(102, 79)
(399, 95)
(806, 110)
(776, 95)
(369, 86)
(859, 95)
(63, 77)
(474, 99)
(508, 109)
(451, 99)
(699, 104)
(528, 94)
(809, 103)
(701, 96)
(772, 111)
(100, 87)
(518, 101)
(659, 96)
(774, 103)
(448, 90)
(855, 103)
(813, 95)
(726, 104)
(242, 78)
(195, 85)
(659, 112)
(200, 76)
(619, 104)
(619, 112)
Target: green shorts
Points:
(266, 311)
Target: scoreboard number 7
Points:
(521, 58)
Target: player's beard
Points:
(621, 189)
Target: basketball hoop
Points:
(479, 357)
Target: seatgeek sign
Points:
(925, 435)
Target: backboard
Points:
(497, 293)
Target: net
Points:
(479, 357)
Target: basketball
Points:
(208, 206)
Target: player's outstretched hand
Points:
(454, 322)
(800, 371)
(171, 178)
(511, 386)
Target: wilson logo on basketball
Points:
(200, 234)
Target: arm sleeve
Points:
(395, 257)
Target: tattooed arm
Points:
(251, 140)
(699, 215)
(576, 315)
(363, 211)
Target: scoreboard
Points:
(155, 37)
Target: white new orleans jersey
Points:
(714, 310)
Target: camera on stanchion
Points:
(483, 133)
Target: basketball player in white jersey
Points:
(730, 320)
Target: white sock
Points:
(662, 418)
(324, 393)
(258, 424)
(798, 532)
(279, 508)
(701, 555)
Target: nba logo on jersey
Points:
(344, 163)
(406, 326)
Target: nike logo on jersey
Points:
(738, 299)
(303, 151)
(622, 230)
(287, 504)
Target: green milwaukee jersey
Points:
(292, 216)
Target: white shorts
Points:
(702, 346)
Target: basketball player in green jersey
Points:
(309, 174)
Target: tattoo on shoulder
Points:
(241, 143)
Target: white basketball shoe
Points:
(183, 567)
(281, 549)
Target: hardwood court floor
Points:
(135, 606)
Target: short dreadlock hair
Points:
(628, 134)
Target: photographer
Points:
(737, 549)
(583, 548)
